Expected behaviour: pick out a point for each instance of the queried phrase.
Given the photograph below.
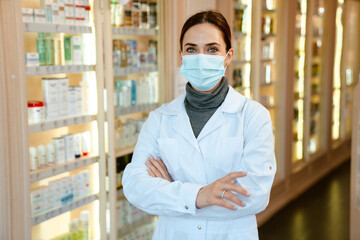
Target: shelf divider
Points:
(118, 72)
(133, 31)
(51, 171)
(66, 122)
(55, 28)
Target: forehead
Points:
(203, 33)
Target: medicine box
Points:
(69, 12)
(69, 147)
(50, 91)
(32, 59)
(63, 97)
(59, 145)
(28, 15)
(39, 16)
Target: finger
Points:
(159, 167)
(151, 173)
(231, 176)
(235, 188)
(164, 167)
(234, 199)
(151, 166)
(162, 163)
(222, 203)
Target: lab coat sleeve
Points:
(258, 160)
(155, 195)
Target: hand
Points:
(212, 194)
(156, 168)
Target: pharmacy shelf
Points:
(267, 36)
(269, 11)
(317, 38)
(129, 228)
(240, 62)
(47, 70)
(118, 72)
(239, 5)
(49, 125)
(240, 34)
(69, 207)
(47, 172)
(264, 85)
(56, 28)
(267, 60)
(133, 31)
(124, 151)
(271, 107)
(120, 194)
(135, 109)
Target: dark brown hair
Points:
(212, 17)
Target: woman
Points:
(205, 161)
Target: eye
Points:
(190, 50)
(213, 50)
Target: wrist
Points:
(197, 205)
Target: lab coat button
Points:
(186, 207)
(270, 167)
(199, 227)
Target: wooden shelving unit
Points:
(355, 167)
(28, 85)
(116, 114)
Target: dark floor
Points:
(321, 213)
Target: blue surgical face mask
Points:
(203, 71)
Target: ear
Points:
(229, 57)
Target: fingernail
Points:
(234, 208)
(248, 194)
(245, 173)
(243, 204)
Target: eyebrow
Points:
(208, 44)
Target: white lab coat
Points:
(238, 137)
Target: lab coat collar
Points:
(233, 103)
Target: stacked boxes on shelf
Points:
(60, 193)
(78, 228)
(125, 54)
(139, 92)
(50, 51)
(144, 233)
(127, 133)
(63, 149)
(60, 100)
(72, 12)
(127, 213)
(133, 14)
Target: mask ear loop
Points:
(225, 58)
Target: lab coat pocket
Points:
(169, 154)
(229, 154)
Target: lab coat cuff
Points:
(190, 192)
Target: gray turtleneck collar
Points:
(201, 106)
